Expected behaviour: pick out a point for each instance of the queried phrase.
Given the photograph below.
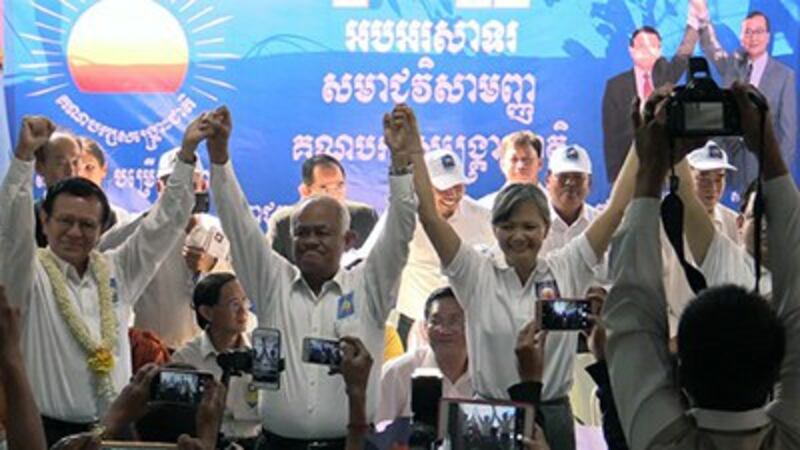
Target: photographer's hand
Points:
(355, 369)
(131, 404)
(751, 120)
(210, 412)
(530, 352)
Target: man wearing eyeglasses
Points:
(444, 326)
(752, 64)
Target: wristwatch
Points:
(405, 170)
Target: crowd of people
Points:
(95, 302)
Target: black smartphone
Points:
(179, 386)
(327, 352)
(202, 203)
(266, 358)
(564, 314)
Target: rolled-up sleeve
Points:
(635, 315)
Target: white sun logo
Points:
(128, 47)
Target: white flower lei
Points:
(100, 355)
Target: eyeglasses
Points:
(756, 32)
(455, 323)
(85, 226)
(235, 305)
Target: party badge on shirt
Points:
(113, 285)
(252, 395)
(346, 307)
(547, 289)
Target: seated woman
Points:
(223, 312)
(498, 288)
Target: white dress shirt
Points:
(724, 220)
(166, 304)
(63, 384)
(727, 262)
(241, 410)
(310, 403)
(497, 306)
(561, 233)
(396, 383)
(650, 405)
(422, 274)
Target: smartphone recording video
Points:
(179, 386)
(322, 351)
(266, 358)
(477, 425)
(564, 314)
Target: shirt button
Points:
(312, 383)
(310, 409)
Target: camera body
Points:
(701, 108)
(236, 361)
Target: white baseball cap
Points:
(445, 168)
(166, 164)
(709, 157)
(569, 158)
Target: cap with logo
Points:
(709, 157)
(569, 158)
(445, 169)
(166, 164)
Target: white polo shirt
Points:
(396, 383)
(497, 306)
(422, 274)
(310, 403)
(63, 385)
(560, 233)
(729, 263)
(241, 410)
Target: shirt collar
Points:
(337, 280)
(207, 348)
(66, 268)
(730, 421)
(497, 257)
(583, 217)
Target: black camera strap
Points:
(672, 217)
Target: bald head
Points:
(59, 158)
(320, 235)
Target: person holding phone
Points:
(315, 296)
(223, 313)
(498, 288)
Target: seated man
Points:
(75, 301)
(444, 325)
(322, 174)
(520, 161)
(315, 297)
(222, 309)
(166, 303)
(569, 180)
(709, 166)
(733, 346)
(422, 275)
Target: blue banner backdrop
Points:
(315, 76)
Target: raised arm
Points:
(635, 313)
(17, 242)
(137, 260)
(401, 131)
(782, 208)
(387, 258)
(254, 261)
(698, 228)
(700, 19)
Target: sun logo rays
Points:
(127, 47)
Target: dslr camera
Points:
(700, 108)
